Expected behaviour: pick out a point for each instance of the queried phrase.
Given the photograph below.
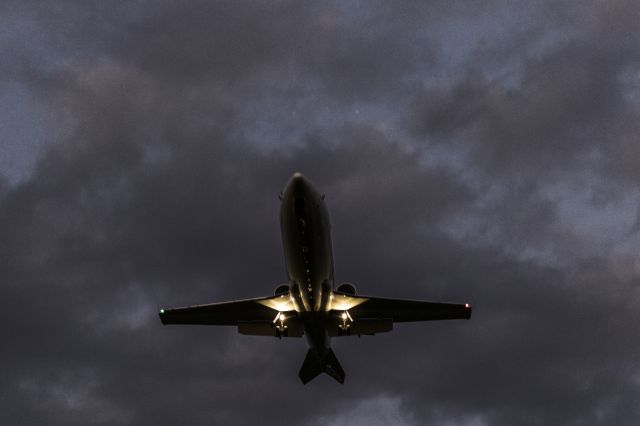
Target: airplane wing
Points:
(400, 310)
(262, 309)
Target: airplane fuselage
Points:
(308, 252)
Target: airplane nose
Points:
(298, 178)
(298, 184)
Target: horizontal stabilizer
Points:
(333, 368)
(312, 367)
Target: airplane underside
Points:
(310, 304)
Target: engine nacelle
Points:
(282, 289)
(347, 288)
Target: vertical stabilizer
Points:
(312, 367)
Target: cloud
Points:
(482, 155)
(381, 410)
(71, 395)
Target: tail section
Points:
(333, 368)
(312, 367)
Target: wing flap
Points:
(362, 326)
(293, 328)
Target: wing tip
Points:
(162, 316)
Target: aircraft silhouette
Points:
(310, 304)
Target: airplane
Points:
(309, 304)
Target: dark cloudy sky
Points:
(470, 151)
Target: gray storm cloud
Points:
(483, 153)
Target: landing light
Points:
(345, 315)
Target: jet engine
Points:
(282, 289)
(347, 288)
